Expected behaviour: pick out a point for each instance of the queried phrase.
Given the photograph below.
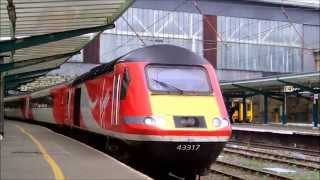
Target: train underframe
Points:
(184, 159)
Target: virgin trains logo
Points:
(100, 101)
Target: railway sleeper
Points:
(267, 157)
(251, 173)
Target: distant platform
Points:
(288, 129)
(35, 152)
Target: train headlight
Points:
(220, 122)
(155, 121)
(149, 121)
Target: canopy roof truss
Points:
(273, 86)
(40, 35)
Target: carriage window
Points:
(178, 79)
(42, 102)
(13, 104)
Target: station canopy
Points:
(37, 36)
(309, 82)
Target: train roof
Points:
(165, 54)
(157, 54)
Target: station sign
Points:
(288, 88)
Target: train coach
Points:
(161, 103)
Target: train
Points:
(161, 103)
(238, 115)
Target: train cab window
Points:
(42, 102)
(178, 79)
(125, 84)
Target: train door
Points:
(76, 107)
(27, 108)
(68, 104)
(116, 100)
(240, 110)
(249, 111)
(237, 115)
(120, 88)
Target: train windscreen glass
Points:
(178, 79)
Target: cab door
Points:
(115, 108)
(76, 106)
(68, 116)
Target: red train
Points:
(161, 102)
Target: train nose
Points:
(186, 112)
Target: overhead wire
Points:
(278, 28)
(220, 37)
(148, 27)
(291, 23)
(195, 3)
(257, 34)
(132, 29)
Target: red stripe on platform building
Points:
(91, 53)
(210, 39)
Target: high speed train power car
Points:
(161, 103)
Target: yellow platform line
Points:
(58, 174)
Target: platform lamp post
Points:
(284, 112)
(286, 89)
(265, 117)
(315, 113)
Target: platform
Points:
(291, 136)
(289, 129)
(35, 152)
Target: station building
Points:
(239, 48)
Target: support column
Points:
(91, 53)
(315, 108)
(244, 107)
(284, 117)
(1, 101)
(266, 118)
(210, 39)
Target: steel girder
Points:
(29, 62)
(20, 43)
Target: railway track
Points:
(268, 156)
(239, 172)
(273, 147)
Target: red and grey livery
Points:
(163, 102)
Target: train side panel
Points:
(16, 107)
(95, 103)
(60, 104)
(13, 112)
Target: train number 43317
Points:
(188, 147)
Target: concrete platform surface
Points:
(277, 128)
(35, 152)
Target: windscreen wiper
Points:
(168, 86)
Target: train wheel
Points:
(191, 176)
(124, 156)
(117, 150)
